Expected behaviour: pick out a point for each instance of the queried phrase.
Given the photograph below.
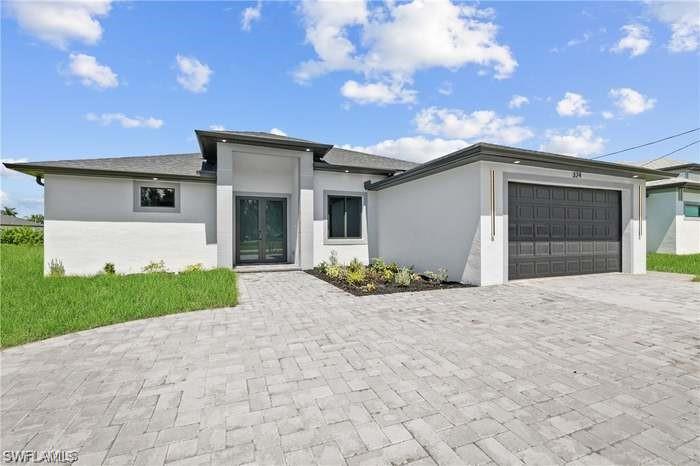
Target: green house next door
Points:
(261, 229)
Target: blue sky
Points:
(413, 80)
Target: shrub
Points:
(355, 265)
(393, 267)
(109, 269)
(321, 267)
(356, 277)
(198, 267)
(404, 277)
(333, 257)
(155, 267)
(22, 235)
(370, 288)
(388, 276)
(56, 268)
(334, 271)
(377, 264)
(437, 277)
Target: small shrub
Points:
(155, 267)
(377, 264)
(321, 267)
(333, 257)
(370, 288)
(355, 265)
(198, 267)
(334, 271)
(393, 267)
(356, 277)
(437, 277)
(56, 268)
(404, 277)
(388, 276)
(22, 235)
(109, 269)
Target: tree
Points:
(11, 211)
(36, 218)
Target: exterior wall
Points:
(347, 183)
(687, 228)
(432, 223)
(661, 218)
(90, 221)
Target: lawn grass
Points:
(689, 264)
(34, 307)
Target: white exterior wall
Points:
(91, 221)
(661, 214)
(351, 184)
(687, 228)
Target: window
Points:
(692, 210)
(156, 196)
(152, 196)
(344, 217)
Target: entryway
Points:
(261, 230)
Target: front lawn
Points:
(689, 264)
(34, 307)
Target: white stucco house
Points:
(674, 211)
(486, 213)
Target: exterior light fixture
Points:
(223, 140)
(308, 150)
(635, 176)
(155, 179)
(347, 171)
(517, 161)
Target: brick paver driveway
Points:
(589, 370)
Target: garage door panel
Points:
(562, 231)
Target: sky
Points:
(414, 80)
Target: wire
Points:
(671, 153)
(645, 144)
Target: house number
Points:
(576, 174)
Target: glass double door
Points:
(261, 227)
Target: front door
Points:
(261, 229)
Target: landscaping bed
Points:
(380, 277)
(688, 264)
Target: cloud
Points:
(518, 101)
(90, 72)
(636, 40)
(277, 131)
(217, 127)
(445, 88)
(578, 141)
(59, 23)
(684, 20)
(249, 15)
(631, 102)
(377, 93)
(4, 171)
(573, 105)
(106, 119)
(484, 125)
(414, 148)
(394, 40)
(193, 74)
(608, 115)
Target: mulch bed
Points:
(384, 288)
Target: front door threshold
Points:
(249, 268)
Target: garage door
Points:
(556, 230)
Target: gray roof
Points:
(659, 164)
(259, 134)
(9, 220)
(351, 158)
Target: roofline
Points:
(495, 153)
(317, 148)
(691, 166)
(41, 170)
(324, 166)
(677, 184)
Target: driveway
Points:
(592, 370)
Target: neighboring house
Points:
(673, 210)
(9, 221)
(487, 213)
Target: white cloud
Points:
(446, 88)
(4, 199)
(90, 72)
(60, 22)
(106, 119)
(415, 148)
(250, 14)
(193, 74)
(684, 20)
(217, 127)
(636, 40)
(631, 102)
(277, 131)
(518, 101)
(578, 141)
(5, 171)
(573, 105)
(484, 125)
(608, 115)
(397, 39)
(377, 93)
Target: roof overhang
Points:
(683, 167)
(694, 185)
(503, 154)
(41, 170)
(209, 139)
(324, 166)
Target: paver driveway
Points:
(590, 370)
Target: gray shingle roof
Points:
(9, 220)
(351, 158)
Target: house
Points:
(10, 221)
(673, 210)
(486, 213)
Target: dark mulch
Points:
(383, 288)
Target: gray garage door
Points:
(556, 230)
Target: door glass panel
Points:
(274, 231)
(248, 217)
(353, 212)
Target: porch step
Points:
(266, 268)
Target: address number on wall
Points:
(575, 174)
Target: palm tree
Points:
(11, 211)
(36, 218)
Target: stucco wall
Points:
(688, 228)
(91, 221)
(350, 183)
(661, 221)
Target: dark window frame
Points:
(345, 198)
(145, 184)
(353, 240)
(691, 204)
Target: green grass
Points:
(689, 264)
(34, 307)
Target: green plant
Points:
(36, 218)
(387, 276)
(155, 267)
(109, 269)
(333, 257)
(198, 267)
(355, 265)
(377, 264)
(370, 288)
(11, 211)
(437, 277)
(334, 271)
(356, 277)
(404, 277)
(22, 235)
(321, 267)
(393, 266)
(56, 268)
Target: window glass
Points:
(336, 217)
(353, 217)
(692, 210)
(344, 217)
(152, 196)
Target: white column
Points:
(224, 207)
(306, 210)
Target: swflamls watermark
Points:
(39, 456)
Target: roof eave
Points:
(317, 148)
(41, 170)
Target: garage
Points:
(558, 230)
